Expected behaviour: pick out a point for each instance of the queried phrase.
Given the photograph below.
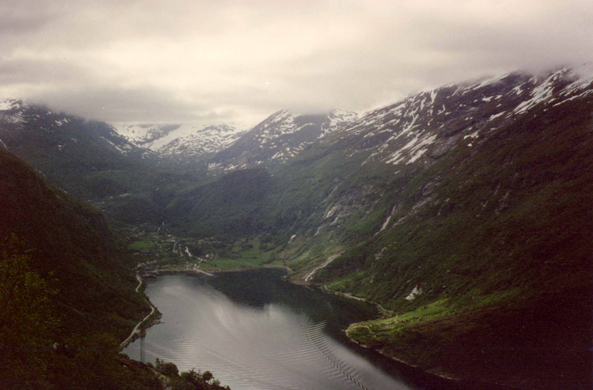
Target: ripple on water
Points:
(269, 347)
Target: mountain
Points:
(463, 211)
(72, 240)
(181, 143)
(91, 161)
(86, 158)
(230, 207)
(279, 138)
(402, 133)
(67, 292)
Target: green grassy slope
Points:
(497, 236)
(232, 206)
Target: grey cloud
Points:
(223, 60)
(115, 104)
(19, 24)
(39, 71)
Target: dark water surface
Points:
(255, 331)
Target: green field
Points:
(246, 259)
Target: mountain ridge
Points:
(279, 138)
(181, 142)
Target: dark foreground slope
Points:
(67, 295)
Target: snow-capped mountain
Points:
(280, 137)
(144, 134)
(9, 105)
(205, 141)
(20, 119)
(66, 147)
(186, 142)
(425, 126)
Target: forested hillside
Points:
(67, 292)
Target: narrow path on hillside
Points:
(139, 279)
(310, 275)
(137, 327)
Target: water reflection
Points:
(254, 331)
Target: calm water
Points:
(256, 331)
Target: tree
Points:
(26, 320)
(207, 376)
(167, 369)
(203, 381)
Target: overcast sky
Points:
(216, 61)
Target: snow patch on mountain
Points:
(281, 137)
(185, 140)
(11, 111)
(203, 141)
(423, 127)
(10, 104)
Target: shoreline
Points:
(137, 331)
(424, 377)
(427, 377)
(210, 272)
(384, 312)
(399, 363)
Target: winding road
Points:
(137, 327)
